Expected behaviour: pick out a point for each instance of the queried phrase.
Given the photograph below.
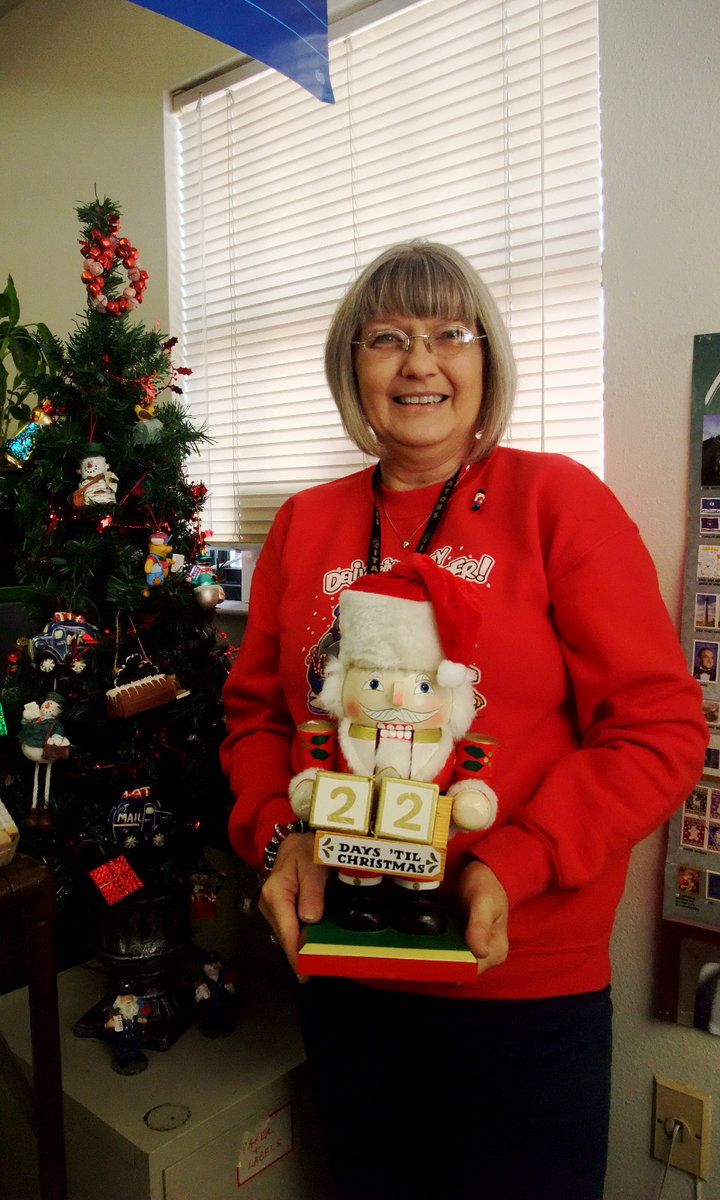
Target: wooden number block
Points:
(406, 810)
(342, 802)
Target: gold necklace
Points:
(404, 542)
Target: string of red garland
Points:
(102, 253)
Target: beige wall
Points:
(661, 151)
(81, 87)
(81, 104)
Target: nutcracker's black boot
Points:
(361, 909)
(419, 912)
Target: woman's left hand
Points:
(485, 903)
(293, 893)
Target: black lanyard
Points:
(374, 555)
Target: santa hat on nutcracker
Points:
(416, 616)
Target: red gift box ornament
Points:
(116, 879)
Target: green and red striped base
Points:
(329, 950)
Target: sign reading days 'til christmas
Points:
(264, 1145)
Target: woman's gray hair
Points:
(421, 279)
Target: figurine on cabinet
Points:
(404, 702)
(216, 998)
(125, 1019)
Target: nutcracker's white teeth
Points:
(433, 398)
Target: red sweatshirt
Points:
(584, 684)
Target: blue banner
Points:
(289, 35)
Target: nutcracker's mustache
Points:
(399, 716)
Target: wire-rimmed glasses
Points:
(444, 341)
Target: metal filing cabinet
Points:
(210, 1119)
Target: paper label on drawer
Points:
(265, 1144)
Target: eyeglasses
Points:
(444, 342)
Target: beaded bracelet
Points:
(279, 835)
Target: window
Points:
(474, 122)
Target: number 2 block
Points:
(406, 810)
(342, 802)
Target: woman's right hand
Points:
(293, 893)
(485, 902)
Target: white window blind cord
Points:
(234, 234)
(542, 221)
(347, 46)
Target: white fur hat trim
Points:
(388, 631)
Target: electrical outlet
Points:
(691, 1148)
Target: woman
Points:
(499, 1087)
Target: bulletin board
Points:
(689, 952)
(692, 869)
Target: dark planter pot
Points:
(139, 937)
(138, 942)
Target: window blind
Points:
(473, 122)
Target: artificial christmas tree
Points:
(114, 696)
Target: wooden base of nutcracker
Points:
(328, 949)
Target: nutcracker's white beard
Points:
(395, 753)
(412, 760)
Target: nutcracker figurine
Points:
(400, 769)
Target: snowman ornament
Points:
(98, 483)
(43, 742)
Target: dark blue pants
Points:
(425, 1097)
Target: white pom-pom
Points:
(451, 674)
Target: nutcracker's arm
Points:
(315, 747)
(475, 804)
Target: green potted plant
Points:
(29, 359)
